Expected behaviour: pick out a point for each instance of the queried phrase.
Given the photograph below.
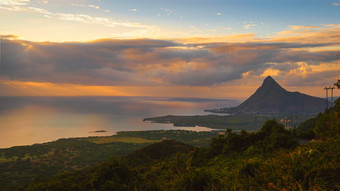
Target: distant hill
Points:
(271, 98)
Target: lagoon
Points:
(30, 120)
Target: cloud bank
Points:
(147, 62)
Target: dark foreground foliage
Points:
(322, 126)
(22, 164)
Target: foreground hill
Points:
(271, 98)
(22, 164)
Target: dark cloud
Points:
(148, 62)
(322, 78)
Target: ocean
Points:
(30, 120)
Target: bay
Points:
(30, 120)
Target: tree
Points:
(328, 123)
(337, 84)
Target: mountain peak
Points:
(270, 97)
(270, 81)
(268, 78)
(270, 85)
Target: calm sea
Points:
(29, 120)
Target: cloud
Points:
(9, 37)
(170, 12)
(39, 10)
(85, 5)
(303, 27)
(82, 18)
(325, 34)
(294, 56)
(270, 72)
(94, 6)
(146, 62)
(14, 2)
(248, 26)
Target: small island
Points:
(98, 131)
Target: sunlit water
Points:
(29, 120)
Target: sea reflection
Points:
(29, 120)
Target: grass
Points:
(4, 159)
(103, 140)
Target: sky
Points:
(167, 48)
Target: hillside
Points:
(22, 164)
(271, 98)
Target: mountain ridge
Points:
(271, 98)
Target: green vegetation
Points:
(22, 164)
(249, 122)
(325, 124)
(269, 159)
(102, 140)
(25, 163)
(189, 137)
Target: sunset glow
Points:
(171, 49)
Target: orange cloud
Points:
(238, 89)
(203, 67)
(303, 27)
(325, 34)
(20, 88)
(270, 72)
(236, 38)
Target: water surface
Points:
(29, 120)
